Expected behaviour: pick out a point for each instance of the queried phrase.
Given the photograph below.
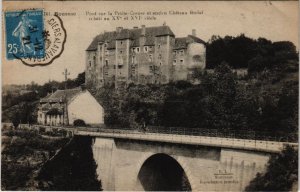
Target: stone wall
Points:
(207, 168)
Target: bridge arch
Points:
(148, 166)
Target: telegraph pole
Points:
(66, 73)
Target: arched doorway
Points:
(160, 172)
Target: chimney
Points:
(143, 30)
(119, 29)
(194, 32)
(135, 27)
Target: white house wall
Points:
(84, 106)
(196, 49)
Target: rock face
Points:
(23, 154)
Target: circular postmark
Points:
(54, 38)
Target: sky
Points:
(277, 21)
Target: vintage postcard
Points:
(150, 96)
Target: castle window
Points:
(145, 49)
(132, 70)
(158, 46)
(106, 72)
(106, 62)
(181, 61)
(159, 57)
(121, 42)
(94, 58)
(174, 62)
(160, 63)
(137, 49)
(133, 59)
(150, 58)
(105, 44)
(181, 52)
(106, 52)
(121, 52)
(174, 53)
(90, 63)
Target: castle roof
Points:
(58, 96)
(133, 34)
(182, 42)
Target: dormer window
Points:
(146, 49)
(136, 49)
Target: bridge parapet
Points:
(245, 144)
(179, 136)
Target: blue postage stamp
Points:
(24, 34)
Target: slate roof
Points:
(133, 34)
(182, 42)
(58, 95)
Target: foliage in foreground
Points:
(73, 169)
(281, 174)
(23, 154)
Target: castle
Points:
(145, 55)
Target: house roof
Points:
(58, 96)
(182, 42)
(133, 34)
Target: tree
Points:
(16, 119)
(80, 79)
(281, 174)
(73, 169)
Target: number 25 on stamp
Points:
(24, 34)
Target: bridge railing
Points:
(223, 133)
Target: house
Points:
(145, 55)
(63, 107)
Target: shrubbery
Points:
(281, 173)
(221, 101)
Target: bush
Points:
(281, 174)
(79, 123)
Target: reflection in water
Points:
(163, 173)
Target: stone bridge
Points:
(132, 160)
(152, 161)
